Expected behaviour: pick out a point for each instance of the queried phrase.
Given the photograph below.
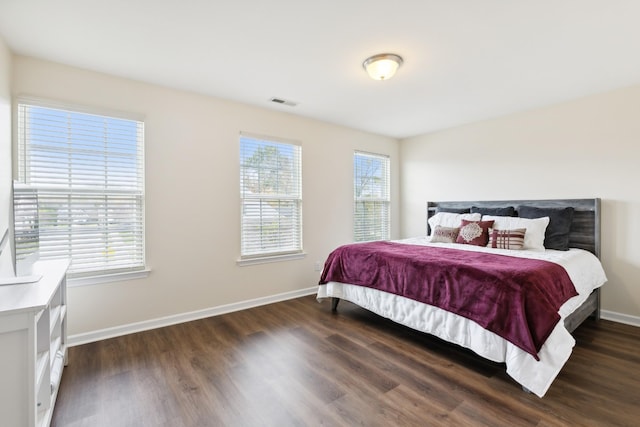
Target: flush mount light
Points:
(382, 66)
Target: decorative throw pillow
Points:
(533, 239)
(556, 235)
(474, 232)
(444, 234)
(507, 239)
(506, 211)
(448, 219)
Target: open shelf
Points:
(33, 331)
(42, 362)
(54, 320)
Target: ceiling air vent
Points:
(284, 101)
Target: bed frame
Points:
(584, 234)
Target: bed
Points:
(513, 306)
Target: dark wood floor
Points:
(297, 364)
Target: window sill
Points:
(107, 278)
(271, 258)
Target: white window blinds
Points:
(271, 197)
(371, 191)
(88, 172)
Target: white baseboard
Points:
(116, 331)
(620, 318)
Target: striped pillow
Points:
(507, 239)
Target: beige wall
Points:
(585, 148)
(192, 188)
(581, 149)
(6, 268)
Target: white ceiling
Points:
(465, 60)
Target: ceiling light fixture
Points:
(382, 66)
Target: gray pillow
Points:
(452, 210)
(557, 234)
(506, 211)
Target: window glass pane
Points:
(270, 189)
(88, 173)
(371, 197)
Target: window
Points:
(371, 196)
(271, 197)
(88, 173)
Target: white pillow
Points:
(451, 220)
(536, 227)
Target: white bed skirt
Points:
(535, 375)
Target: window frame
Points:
(104, 274)
(278, 253)
(383, 201)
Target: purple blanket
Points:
(516, 298)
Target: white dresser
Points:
(33, 345)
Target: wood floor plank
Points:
(296, 363)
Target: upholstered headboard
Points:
(585, 228)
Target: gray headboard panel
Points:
(585, 229)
